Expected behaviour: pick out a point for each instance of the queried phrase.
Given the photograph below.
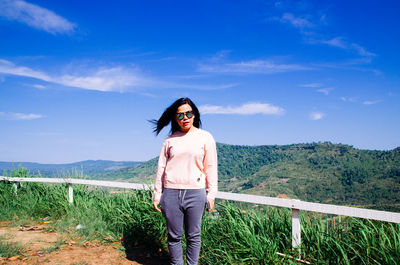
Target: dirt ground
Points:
(42, 246)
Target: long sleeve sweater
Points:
(188, 161)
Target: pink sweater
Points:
(188, 161)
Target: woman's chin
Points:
(186, 128)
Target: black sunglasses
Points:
(189, 114)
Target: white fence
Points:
(295, 205)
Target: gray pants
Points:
(183, 208)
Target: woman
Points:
(186, 178)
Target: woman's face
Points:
(186, 124)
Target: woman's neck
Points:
(192, 129)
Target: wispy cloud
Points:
(312, 28)
(245, 109)
(105, 79)
(371, 102)
(335, 42)
(325, 91)
(340, 42)
(7, 67)
(197, 86)
(320, 86)
(312, 85)
(317, 115)
(361, 50)
(39, 86)
(35, 16)
(356, 65)
(296, 21)
(19, 116)
(251, 67)
(346, 99)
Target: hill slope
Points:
(318, 172)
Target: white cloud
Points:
(322, 90)
(103, 79)
(245, 109)
(371, 102)
(7, 67)
(39, 86)
(350, 65)
(317, 116)
(195, 86)
(221, 55)
(325, 91)
(312, 85)
(310, 27)
(362, 51)
(336, 42)
(340, 42)
(297, 22)
(19, 116)
(345, 99)
(251, 67)
(35, 16)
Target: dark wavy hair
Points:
(169, 116)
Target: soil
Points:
(43, 246)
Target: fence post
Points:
(296, 228)
(15, 185)
(70, 193)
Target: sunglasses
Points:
(189, 114)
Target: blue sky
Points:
(80, 79)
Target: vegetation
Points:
(318, 172)
(141, 173)
(232, 235)
(8, 249)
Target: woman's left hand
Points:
(210, 203)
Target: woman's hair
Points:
(170, 114)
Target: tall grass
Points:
(233, 235)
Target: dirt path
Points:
(44, 247)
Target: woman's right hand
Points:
(155, 205)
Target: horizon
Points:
(80, 81)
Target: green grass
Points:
(58, 245)
(10, 249)
(234, 235)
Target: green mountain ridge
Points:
(92, 168)
(316, 172)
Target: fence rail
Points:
(295, 205)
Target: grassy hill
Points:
(317, 172)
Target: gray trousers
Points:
(183, 208)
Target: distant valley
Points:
(90, 168)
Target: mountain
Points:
(91, 168)
(316, 172)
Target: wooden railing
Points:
(295, 205)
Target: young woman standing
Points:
(186, 179)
